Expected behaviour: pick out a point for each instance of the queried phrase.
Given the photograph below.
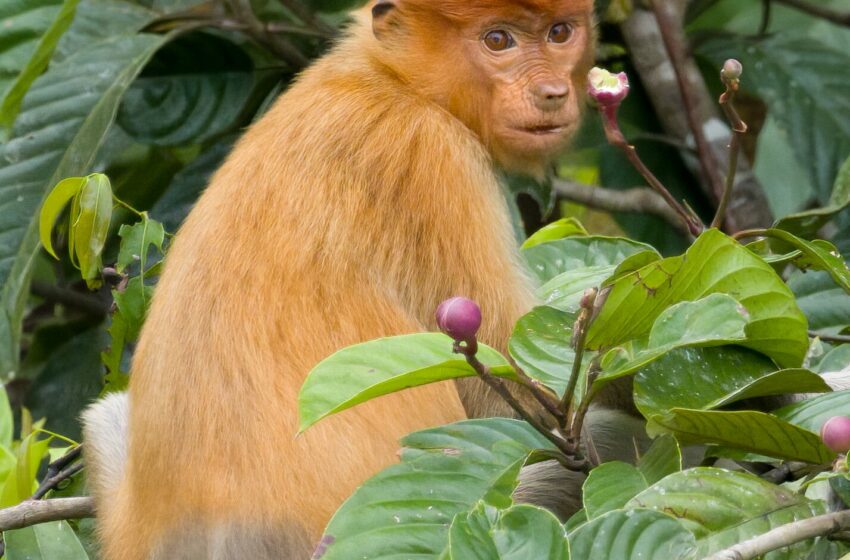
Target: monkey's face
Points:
(535, 69)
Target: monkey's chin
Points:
(538, 141)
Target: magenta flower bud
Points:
(460, 318)
(732, 70)
(607, 89)
(835, 434)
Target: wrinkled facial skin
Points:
(535, 69)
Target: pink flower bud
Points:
(835, 434)
(607, 89)
(460, 318)
(732, 70)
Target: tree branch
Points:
(834, 16)
(638, 200)
(786, 535)
(33, 512)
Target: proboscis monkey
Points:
(362, 199)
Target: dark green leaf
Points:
(610, 486)
(826, 305)
(662, 459)
(820, 255)
(632, 535)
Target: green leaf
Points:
(192, 90)
(64, 119)
(722, 508)
(713, 264)
(750, 431)
(802, 80)
(7, 423)
(53, 205)
(133, 304)
(711, 321)
(90, 220)
(826, 306)
(662, 459)
(54, 540)
(405, 511)
(610, 486)
(820, 255)
(836, 359)
(540, 346)
(632, 535)
(365, 371)
(116, 378)
(10, 103)
(517, 533)
(20, 483)
(811, 413)
(565, 227)
(136, 242)
(715, 377)
(807, 224)
(549, 260)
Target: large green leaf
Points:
(64, 119)
(518, 533)
(750, 431)
(192, 90)
(715, 377)
(548, 260)
(714, 320)
(662, 459)
(714, 264)
(812, 413)
(405, 511)
(632, 535)
(804, 84)
(722, 508)
(365, 371)
(610, 486)
(47, 541)
(10, 101)
(819, 255)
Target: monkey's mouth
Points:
(544, 129)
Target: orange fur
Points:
(361, 200)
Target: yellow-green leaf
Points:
(53, 206)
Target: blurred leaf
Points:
(133, 304)
(826, 305)
(610, 486)
(714, 264)
(368, 370)
(565, 227)
(754, 432)
(20, 483)
(803, 82)
(807, 224)
(10, 102)
(551, 259)
(715, 377)
(116, 378)
(188, 185)
(193, 89)
(714, 320)
(54, 540)
(53, 205)
(518, 533)
(811, 413)
(63, 122)
(7, 423)
(722, 508)
(632, 535)
(405, 511)
(836, 359)
(333, 5)
(540, 345)
(662, 459)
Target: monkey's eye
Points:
(560, 33)
(498, 40)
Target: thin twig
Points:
(33, 512)
(826, 337)
(739, 128)
(766, 13)
(278, 45)
(91, 305)
(834, 16)
(786, 535)
(676, 49)
(638, 200)
(580, 329)
(59, 471)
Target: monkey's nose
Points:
(551, 94)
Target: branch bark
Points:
(33, 512)
(636, 200)
(786, 535)
(748, 207)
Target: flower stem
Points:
(739, 128)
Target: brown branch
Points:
(91, 305)
(786, 535)
(739, 129)
(840, 339)
(33, 512)
(673, 37)
(278, 45)
(834, 16)
(59, 471)
(639, 200)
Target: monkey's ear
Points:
(382, 16)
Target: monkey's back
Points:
(296, 249)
